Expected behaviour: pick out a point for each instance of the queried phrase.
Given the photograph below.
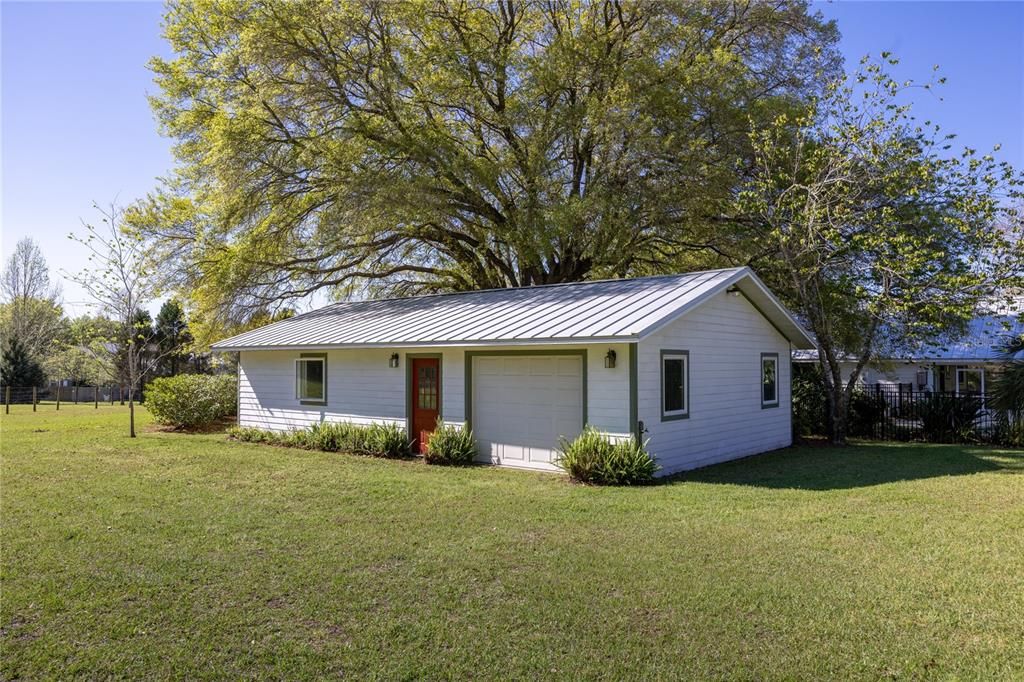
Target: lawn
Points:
(192, 556)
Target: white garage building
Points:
(697, 362)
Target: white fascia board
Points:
(577, 341)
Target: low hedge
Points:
(191, 401)
(592, 457)
(374, 440)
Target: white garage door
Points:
(523, 404)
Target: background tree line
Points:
(40, 343)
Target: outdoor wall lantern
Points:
(393, 362)
(609, 359)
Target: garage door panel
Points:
(568, 367)
(487, 366)
(523, 405)
(542, 366)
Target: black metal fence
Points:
(900, 413)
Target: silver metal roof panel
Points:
(623, 309)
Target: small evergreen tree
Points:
(172, 338)
(17, 368)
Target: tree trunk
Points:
(837, 406)
(832, 375)
(131, 389)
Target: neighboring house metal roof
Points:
(979, 343)
(609, 310)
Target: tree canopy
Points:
(411, 147)
(872, 227)
(84, 352)
(172, 338)
(120, 280)
(31, 309)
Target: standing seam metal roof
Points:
(609, 309)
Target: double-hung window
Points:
(769, 379)
(675, 384)
(311, 378)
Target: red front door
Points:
(426, 399)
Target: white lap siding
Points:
(725, 338)
(362, 388)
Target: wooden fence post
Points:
(96, 397)
(7, 401)
(33, 398)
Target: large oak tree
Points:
(424, 146)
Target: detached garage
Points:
(697, 363)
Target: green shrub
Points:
(250, 434)
(190, 401)
(949, 418)
(332, 437)
(450, 445)
(387, 440)
(866, 412)
(593, 458)
(810, 402)
(1009, 431)
(375, 440)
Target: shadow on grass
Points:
(856, 466)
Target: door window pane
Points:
(426, 388)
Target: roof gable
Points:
(610, 310)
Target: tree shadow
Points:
(856, 466)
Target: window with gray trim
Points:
(675, 388)
(769, 379)
(311, 379)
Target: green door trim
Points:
(634, 398)
(409, 357)
(470, 354)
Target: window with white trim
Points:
(675, 384)
(311, 379)
(970, 380)
(769, 379)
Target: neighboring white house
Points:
(697, 362)
(963, 364)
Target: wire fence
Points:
(901, 413)
(55, 396)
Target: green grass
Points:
(190, 556)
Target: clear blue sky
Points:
(76, 126)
